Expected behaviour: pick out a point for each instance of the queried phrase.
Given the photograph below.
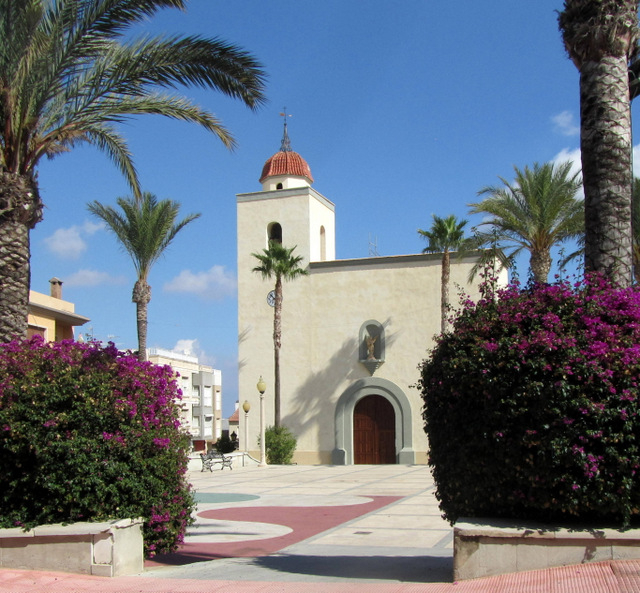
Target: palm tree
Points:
(536, 212)
(144, 228)
(278, 262)
(68, 76)
(635, 225)
(601, 38)
(444, 236)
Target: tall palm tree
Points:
(69, 76)
(635, 225)
(536, 212)
(278, 262)
(444, 236)
(601, 38)
(144, 228)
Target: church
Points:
(353, 330)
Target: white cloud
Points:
(191, 347)
(569, 155)
(565, 124)
(213, 284)
(66, 243)
(575, 157)
(188, 347)
(576, 164)
(69, 243)
(92, 278)
(90, 227)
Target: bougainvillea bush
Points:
(88, 433)
(531, 405)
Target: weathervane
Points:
(285, 146)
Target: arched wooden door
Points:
(374, 431)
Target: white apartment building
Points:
(201, 387)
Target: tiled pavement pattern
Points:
(313, 529)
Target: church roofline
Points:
(389, 260)
(285, 193)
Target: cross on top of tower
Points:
(285, 145)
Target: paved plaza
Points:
(321, 529)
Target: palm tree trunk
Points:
(277, 343)
(540, 264)
(20, 211)
(444, 290)
(141, 297)
(15, 272)
(606, 165)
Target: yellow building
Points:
(50, 316)
(353, 331)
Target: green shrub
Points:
(280, 444)
(90, 434)
(225, 445)
(531, 405)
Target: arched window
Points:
(279, 186)
(274, 232)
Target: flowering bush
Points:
(88, 433)
(531, 405)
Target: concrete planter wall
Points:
(110, 549)
(491, 547)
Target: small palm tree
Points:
(144, 228)
(536, 212)
(601, 39)
(444, 236)
(278, 262)
(70, 74)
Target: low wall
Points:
(491, 547)
(110, 549)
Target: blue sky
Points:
(403, 109)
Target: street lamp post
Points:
(262, 387)
(246, 406)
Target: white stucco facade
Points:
(201, 403)
(326, 319)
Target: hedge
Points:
(88, 433)
(531, 405)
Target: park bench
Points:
(213, 457)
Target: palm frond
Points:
(445, 234)
(279, 262)
(144, 227)
(63, 65)
(535, 212)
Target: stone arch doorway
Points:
(343, 453)
(374, 431)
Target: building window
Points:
(279, 186)
(32, 330)
(207, 397)
(274, 232)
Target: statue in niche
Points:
(371, 340)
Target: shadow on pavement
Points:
(414, 569)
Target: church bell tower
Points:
(290, 211)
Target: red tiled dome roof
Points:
(286, 163)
